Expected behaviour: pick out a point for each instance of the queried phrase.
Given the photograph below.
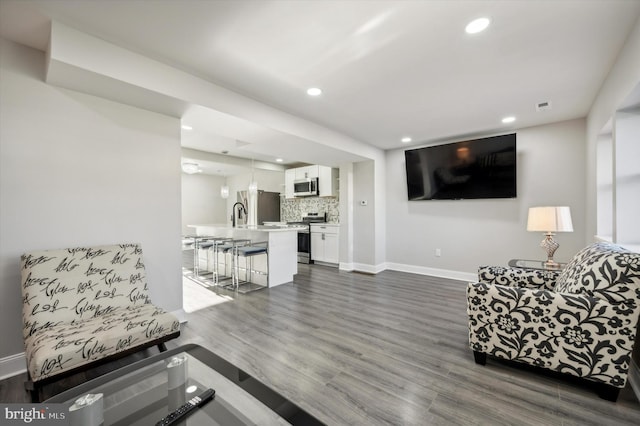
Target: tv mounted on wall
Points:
(479, 168)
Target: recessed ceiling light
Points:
(279, 160)
(405, 139)
(191, 168)
(510, 119)
(186, 127)
(477, 25)
(314, 91)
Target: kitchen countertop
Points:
(262, 228)
(281, 264)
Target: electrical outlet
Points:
(438, 252)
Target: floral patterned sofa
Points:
(581, 321)
(86, 305)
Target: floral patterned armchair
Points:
(581, 321)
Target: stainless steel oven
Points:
(304, 244)
(304, 235)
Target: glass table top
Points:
(146, 391)
(536, 264)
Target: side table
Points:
(536, 264)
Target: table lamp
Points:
(549, 220)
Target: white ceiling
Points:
(388, 69)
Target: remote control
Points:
(186, 409)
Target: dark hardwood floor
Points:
(390, 348)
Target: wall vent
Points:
(543, 106)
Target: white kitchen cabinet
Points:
(325, 242)
(289, 178)
(307, 172)
(317, 246)
(327, 179)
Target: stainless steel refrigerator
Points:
(267, 208)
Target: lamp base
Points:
(549, 245)
(551, 264)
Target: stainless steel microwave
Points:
(305, 187)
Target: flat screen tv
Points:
(479, 168)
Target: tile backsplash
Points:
(293, 209)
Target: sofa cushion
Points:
(517, 277)
(602, 270)
(65, 346)
(80, 283)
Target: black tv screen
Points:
(479, 168)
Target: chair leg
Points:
(35, 391)
(234, 269)
(608, 392)
(215, 277)
(248, 273)
(36, 395)
(480, 357)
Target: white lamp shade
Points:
(550, 219)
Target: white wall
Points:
(381, 204)
(604, 171)
(621, 80)
(627, 170)
(364, 224)
(346, 205)
(80, 170)
(551, 164)
(201, 201)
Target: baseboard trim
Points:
(181, 315)
(345, 266)
(441, 273)
(369, 269)
(634, 378)
(413, 269)
(12, 365)
(361, 267)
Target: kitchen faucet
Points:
(240, 210)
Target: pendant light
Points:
(224, 189)
(253, 185)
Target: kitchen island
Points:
(283, 247)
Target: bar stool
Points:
(218, 247)
(225, 247)
(187, 244)
(187, 241)
(248, 252)
(200, 243)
